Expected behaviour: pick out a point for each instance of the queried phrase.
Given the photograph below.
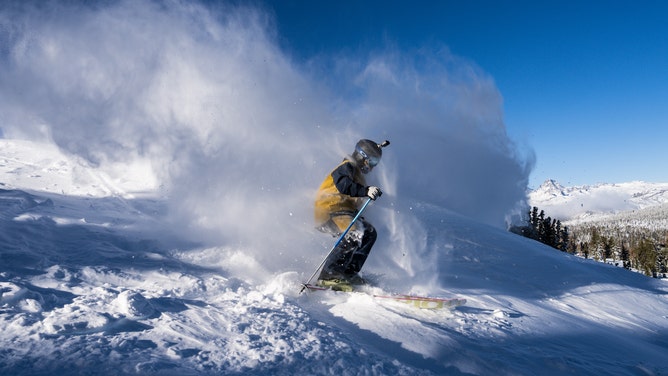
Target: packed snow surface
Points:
(92, 281)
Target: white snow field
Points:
(92, 282)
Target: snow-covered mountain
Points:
(91, 282)
(599, 201)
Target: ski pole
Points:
(335, 245)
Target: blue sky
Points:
(584, 83)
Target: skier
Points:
(339, 198)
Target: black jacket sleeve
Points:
(344, 182)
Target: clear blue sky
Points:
(585, 83)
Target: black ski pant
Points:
(347, 259)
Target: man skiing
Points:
(339, 198)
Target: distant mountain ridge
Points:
(598, 201)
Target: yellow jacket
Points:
(340, 193)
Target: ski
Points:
(423, 302)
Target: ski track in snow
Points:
(90, 283)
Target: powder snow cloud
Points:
(238, 133)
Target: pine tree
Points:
(534, 221)
(584, 248)
(595, 241)
(608, 243)
(541, 229)
(661, 261)
(546, 233)
(645, 256)
(564, 239)
(624, 255)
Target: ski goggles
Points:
(371, 161)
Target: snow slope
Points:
(169, 232)
(93, 281)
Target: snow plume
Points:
(238, 134)
(452, 149)
(231, 128)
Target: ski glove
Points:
(373, 192)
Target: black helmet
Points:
(367, 154)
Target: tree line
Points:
(632, 247)
(544, 229)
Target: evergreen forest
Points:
(633, 241)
